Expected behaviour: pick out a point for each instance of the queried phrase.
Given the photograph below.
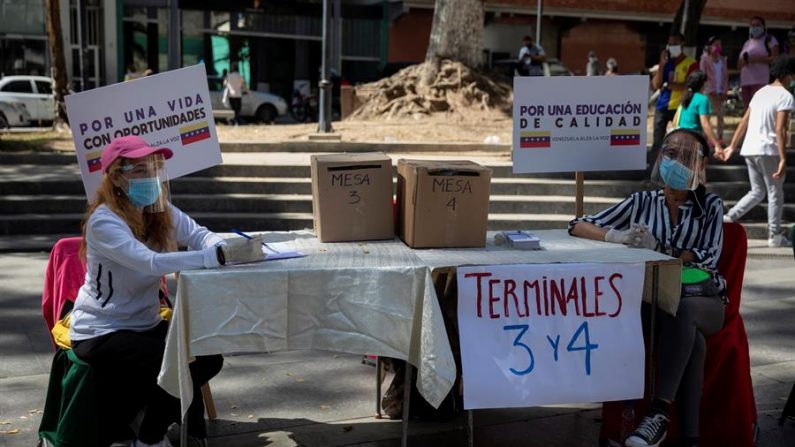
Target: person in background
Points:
(148, 72)
(716, 67)
(764, 148)
(236, 88)
(695, 110)
(670, 77)
(130, 236)
(788, 47)
(682, 220)
(593, 67)
(756, 55)
(531, 58)
(612, 67)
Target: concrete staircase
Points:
(41, 194)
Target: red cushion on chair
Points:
(64, 276)
(728, 409)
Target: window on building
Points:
(18, 87)
(44, 88)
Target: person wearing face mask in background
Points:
(130, 237)
(670, 77)
(682, 220)
(764, 148)
(612, 67)
(756, 55)
(715, 65)
(593, 67)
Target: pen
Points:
(240, 233)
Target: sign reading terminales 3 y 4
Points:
(170, 109)
(579, 123)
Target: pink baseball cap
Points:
(130, 147)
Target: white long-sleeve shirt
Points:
(122, 283)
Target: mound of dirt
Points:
(455, 90)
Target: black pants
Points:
(126, 365)
(661, 120)
(236, 104)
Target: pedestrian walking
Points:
(235, 87)
(764, 126)
(716, 67)
(756, 55)
(695, 110)
(593, 67)
(531, 58)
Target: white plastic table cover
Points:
(374, 297)
(371, 297)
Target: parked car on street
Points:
(260, 106)
(552, 67)
(33, 91)
(13, 113)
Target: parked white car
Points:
(263, 107)
(13, 113)
(33, 91)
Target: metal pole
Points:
(324, 121)
(80, 53)
(539, 12)
(337, 33)
(683, 25)
(174, 37)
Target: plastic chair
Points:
(728, 409)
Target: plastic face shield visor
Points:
(145, 182)
(680, 162)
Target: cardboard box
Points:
(442, 203)
(352, 197)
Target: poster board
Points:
(171, 109)
(579, 123)
(542, 334)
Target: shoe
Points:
(779, 240)
(727, 219)
(650, 433)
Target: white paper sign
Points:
(170, 109)
(579, 123)
(542, 334)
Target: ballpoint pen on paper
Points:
(238, 232)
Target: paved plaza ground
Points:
(308, 398)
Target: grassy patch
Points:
(47, 141)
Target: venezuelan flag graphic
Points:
(94, 161)
(625, 137)
(534, 139)
(195, 132)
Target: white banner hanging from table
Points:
(541, 334)
(171, 109)
(579, 123)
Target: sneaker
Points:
(779, 240)
(650, 433)
(727, 219)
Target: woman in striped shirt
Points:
(683, 221)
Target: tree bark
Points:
(692, 20)
(58, 64)
(456, 33)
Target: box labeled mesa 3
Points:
(442, 203)
(352, 197)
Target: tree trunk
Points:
(692, 20)
(456, 33)
(60, 87)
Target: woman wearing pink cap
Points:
(130, 236)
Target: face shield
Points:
(145, 182)
(680, 162)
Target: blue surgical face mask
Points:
(756, 31)
(675, 174)
(144, 191)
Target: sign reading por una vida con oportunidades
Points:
(579, 123)
(171, 109)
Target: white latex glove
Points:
(241, 250)
(642, 237)
(620, 236)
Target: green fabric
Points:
(692, 275)
(69, 418)
(689, 117)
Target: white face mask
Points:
(675, 50)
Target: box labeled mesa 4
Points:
(442, 203)
(352, 197)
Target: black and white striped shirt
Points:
(698, 230)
